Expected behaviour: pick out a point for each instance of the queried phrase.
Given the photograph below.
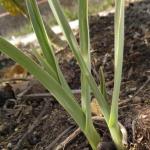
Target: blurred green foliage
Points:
(17, 7)
(14, 7)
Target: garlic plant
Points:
(48, 72)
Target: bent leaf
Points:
(47, 80)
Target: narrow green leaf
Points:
(47, 80)
(102, 83)
(45, 44)
(85, 87)
(45, 64)
(85, 51)
(119, 46)
(61, 19)
(41, 34)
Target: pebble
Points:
(9, 146)
(137, 99)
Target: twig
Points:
(145, 83)
(133, 130)
(20, 95)
(32, 127)
(73, 135)
(68, 139)
(46, 95)
(60, 51)
(124, 102)
(64, 49)
(37, 95)
(131, 105)
(13, 79)
(51, 145)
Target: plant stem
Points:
(117, 136)
(119, 48)
(93, 138)
(90, 131)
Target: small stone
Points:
(133, 89)
(137, 99)
(9, 145)
(130, 96)
(16, 129)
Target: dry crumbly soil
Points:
(34, 123)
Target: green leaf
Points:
(119, 46)
(61, 19)
(47, 80)
(85, 51)
(45, 64)
(85, 87)
(39, 28)
(41, 34)
(102, 83)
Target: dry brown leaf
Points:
(95, 108)
(15, 71)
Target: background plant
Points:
(70, 9)
(49, 74)
(17, 7)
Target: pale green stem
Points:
(119, 46)
(90, 131)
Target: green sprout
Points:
(48, 72)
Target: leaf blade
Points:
(61, 19)
(48, 81)
(119, 46)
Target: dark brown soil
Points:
(48, 119)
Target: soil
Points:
(31, 122)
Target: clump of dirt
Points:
(38, 122)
